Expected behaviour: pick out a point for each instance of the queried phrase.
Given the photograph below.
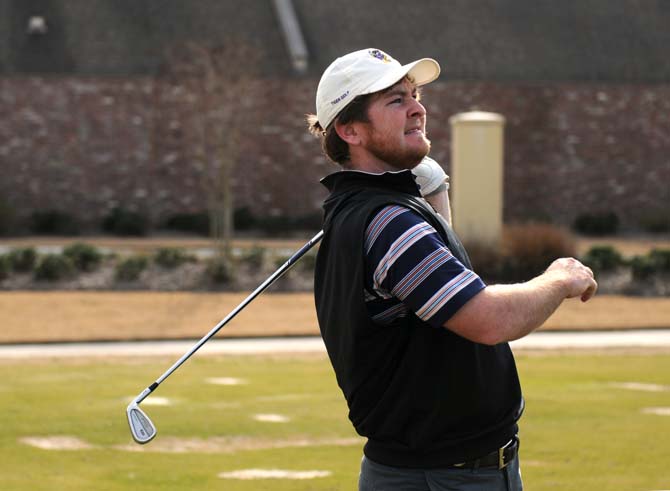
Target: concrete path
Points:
(538, 341)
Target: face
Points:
(395, 136)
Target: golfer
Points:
(418, 342)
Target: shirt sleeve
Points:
(407, 260)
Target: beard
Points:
(397, 156)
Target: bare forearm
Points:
(522, 308)
(502, 313)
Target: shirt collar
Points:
(402, 181)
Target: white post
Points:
(477, 176)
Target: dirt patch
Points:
(639, 386)
(271, 418)
(249, 474)
(62, 442)
(226, 381)
(658, 411)
(229, 445)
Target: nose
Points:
(416, 109)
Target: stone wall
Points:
(85, 145)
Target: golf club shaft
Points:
(263, 286)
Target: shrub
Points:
(281, 225)
(5, 267)
(308, 261)
(642, 267)
(84, 257)
(280, 260)
(196, 223)
(597, 224)
(125, 223)
(130, 268)
(53, 267)
(23, 260)
(53, 222)
(170, 257)
(6, 218)
(529, 249)
(656, 221)
(254, 257)
(219, 271)
(244, 219)
(487, 261)
(603, 258)
(660, 258)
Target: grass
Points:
(86, 316)
(579, 431)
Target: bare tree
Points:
(218, 77)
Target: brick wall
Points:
(85, 145)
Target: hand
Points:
(577, 278)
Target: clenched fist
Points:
(577, 278)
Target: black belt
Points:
(497, 459)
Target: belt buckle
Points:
(501, 455)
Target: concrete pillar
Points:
(477, 176)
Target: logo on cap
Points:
(340, 98)
(380, 55)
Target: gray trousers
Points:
(377, 477)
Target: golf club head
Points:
(141, 427)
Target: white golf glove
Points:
(430, 177)
(434, 183)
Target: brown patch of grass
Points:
(611, 312)
(89, 316)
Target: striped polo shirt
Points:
(410, 269)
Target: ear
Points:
(348, 132)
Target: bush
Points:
(130, 269)
(660, 258)
(53, 267)
(280, 260)
(525, 252)
(642, 267)
(7, 218)
(254, 257)
(23, 260)
(53, 222)
(603, 258)
(5, 267)
(170, 257)
(282, 225)
(219, 271)
(308, 261)
(656, 221)
(196, 223)
(84, 257)
(529, 249)
(244, 219)
(597, 224)
(487, 261)
(125, 223)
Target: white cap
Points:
(365, 72)
(429, 176)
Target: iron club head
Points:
(141, 427)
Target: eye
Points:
(397, 100)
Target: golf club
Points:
(141, 427)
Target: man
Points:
(417, 341)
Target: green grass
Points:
(579, 432)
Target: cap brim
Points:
(421, 71)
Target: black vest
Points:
(423, 396)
